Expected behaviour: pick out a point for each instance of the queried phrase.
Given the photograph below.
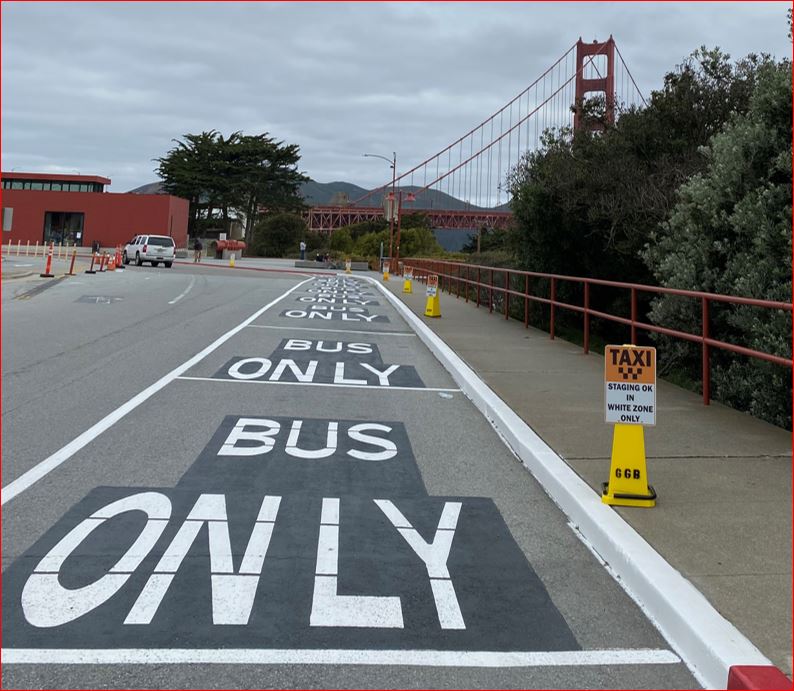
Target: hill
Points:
(335, 193)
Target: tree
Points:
(586, 202)
(240, 175)
(186, 172)
(341, 241)
(730, 232)
(278, 234)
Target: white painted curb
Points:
(707, 642)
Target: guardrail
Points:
(455, 274)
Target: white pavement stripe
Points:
(331, 386)
(184, 292)
(340, 331)
(420, 658)
(63, 454)
(708, 643)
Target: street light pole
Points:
(399, 219)
(391, 211)
(392, 200)
(409, 198)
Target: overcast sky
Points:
(103, 88)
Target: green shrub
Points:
(278, 235)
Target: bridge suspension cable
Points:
(473, 169)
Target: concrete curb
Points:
(707, 642)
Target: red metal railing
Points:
(482, 278)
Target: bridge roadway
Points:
(260, 479)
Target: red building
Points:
(75, 209)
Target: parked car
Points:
(150, 248)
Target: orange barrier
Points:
(71, 266)
(48, 266)
(90, 270)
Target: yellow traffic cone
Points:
(433, 304)
(628, 472)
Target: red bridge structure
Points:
(329, 218)
(465, 185)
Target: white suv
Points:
(150, 248)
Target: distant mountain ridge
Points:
(334, 193)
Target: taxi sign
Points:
(432, 285)
(630, 385)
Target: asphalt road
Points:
(203, 491)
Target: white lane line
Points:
(63, 454)
(341, 331)
(330, 386)
(184, 292)
(297, 656)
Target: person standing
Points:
(197, 247)
(303, 250)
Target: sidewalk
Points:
(723, 517)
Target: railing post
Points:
(507, 294)
(457, 283)
(490, 294)
(634, 316)
(553, 296)
(478, 286)
(706, 374)
(526, 300)
(586, 317)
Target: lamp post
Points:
(393, 163)
(409, 197)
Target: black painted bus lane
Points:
(339, 502)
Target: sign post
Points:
(629, 403)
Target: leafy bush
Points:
(341, 241)
(278, 234)
(730, 232)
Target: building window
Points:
(54, 185)
(63, 227)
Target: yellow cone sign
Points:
(630, 403)
(408, 276)
(433, 304)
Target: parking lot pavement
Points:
(313, 503)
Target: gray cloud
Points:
(104, 87)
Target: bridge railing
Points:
(454, 275)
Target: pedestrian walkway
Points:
(723, 478)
